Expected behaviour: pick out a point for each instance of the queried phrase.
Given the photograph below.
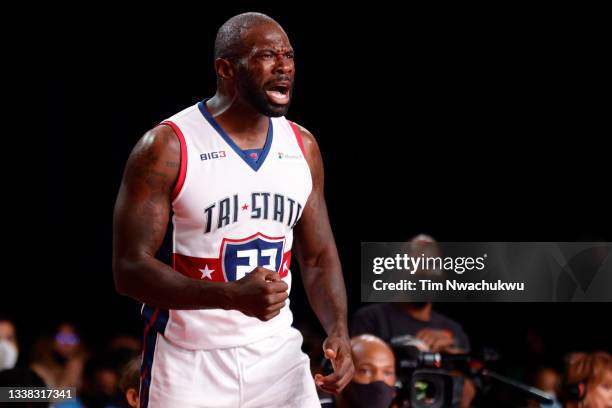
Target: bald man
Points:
(375, 376)
(203, 230)
(373, 385)
(374, 360)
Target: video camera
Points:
(434, 380)
(426, 380)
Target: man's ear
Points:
(131, 395)
(224, 68)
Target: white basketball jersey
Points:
(230, 214)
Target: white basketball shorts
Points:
(273, 372)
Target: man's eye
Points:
(267, 56)
(290, 55)
(364, 371)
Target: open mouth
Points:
(279, 93)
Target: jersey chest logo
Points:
(241, 256)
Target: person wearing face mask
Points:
(418, 322)
(373, 384)
(9, 349)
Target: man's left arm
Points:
(322, 274)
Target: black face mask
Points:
(373, 395)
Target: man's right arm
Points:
(141, 218)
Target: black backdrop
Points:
(466, 124)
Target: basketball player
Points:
(203, 236)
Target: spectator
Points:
(59, 360)
(416, 322)
(129, 382)
(105, 373)
(588, 380)
(9, 349)
(373, 385)
(101, 382)
(548, 380)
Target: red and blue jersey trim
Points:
(298, 136)
(254, 164)
(183, 165)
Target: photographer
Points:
(416, 323)
(432, 331)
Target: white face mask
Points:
(8, 355)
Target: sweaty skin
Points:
(261, 78)
(322, 274)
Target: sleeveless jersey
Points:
(230, 214)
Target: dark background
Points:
(466, 124)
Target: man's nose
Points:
(283, 65)
(379, 376)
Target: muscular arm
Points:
(316, 250)
(140, 220)
(321, 270)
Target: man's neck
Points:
(245, 125)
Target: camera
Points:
(435, 388)
(426, 380)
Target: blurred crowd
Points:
(405, 355)
(110, 377)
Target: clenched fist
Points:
(261, 294)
